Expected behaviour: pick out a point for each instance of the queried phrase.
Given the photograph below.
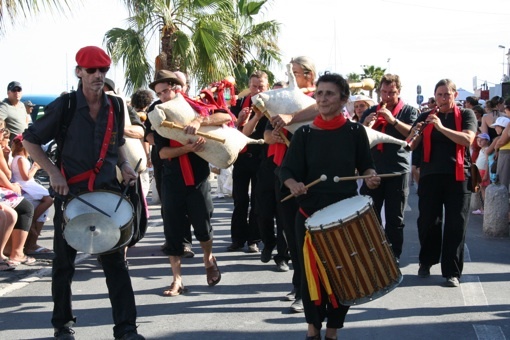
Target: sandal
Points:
(174, 290)
(39, 250)
(27, 261)
(213, 272)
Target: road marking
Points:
(472, 291)
(486, 332)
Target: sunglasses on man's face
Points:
(94, 70)
(16, 89)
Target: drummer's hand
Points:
(128, 174)
(373, 182)
(296, 188)
(59, 184)
(195, 146)
(280, 121)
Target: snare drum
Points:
(106, 201)
(352, 245)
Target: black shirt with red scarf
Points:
(254, 150)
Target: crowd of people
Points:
(446, 139)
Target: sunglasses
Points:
(93, 70)
(16, 89)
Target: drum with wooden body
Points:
(89, 231)
(351, 244)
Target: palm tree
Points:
(191, 33)
(376, 73)
(254, 44)
(15, 9)
(197, 37)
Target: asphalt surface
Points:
(247, 304)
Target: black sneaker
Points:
(64, 333)
(266, 255)
(131, 336)
(424, 271)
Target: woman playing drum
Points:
(315, 151)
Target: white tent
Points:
(463, 94)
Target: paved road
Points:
(246, 304)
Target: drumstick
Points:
(203, 134)
(127, 187)
(259, 105)
(320, 179)
(87, 203)
(351, 178)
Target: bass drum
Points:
(81, 231)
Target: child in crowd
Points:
(23, 173)
(482, 163)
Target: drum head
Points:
(92, 233)
(341, 211)
(104, 200)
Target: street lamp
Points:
(503, 47)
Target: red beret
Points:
(92, 56)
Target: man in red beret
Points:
(88, 126)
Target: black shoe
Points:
(424, 271)
(64, 333)
(131, 336)
(235, 247)
(266, 255)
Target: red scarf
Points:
(459, 152)
(382, 122)
(186, 169)
(335, 123)
(278, 150)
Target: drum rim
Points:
(346, 218)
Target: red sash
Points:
(459, 151)
(92, 173)
(186, 169)
(382, 122)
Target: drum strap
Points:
(316, 273)
(92, 173)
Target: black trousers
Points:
(118, 282)
(316, 314)
(157, 165)
(287, 210)
(267, 212)
(243, 228)
(438, 242)
(393, 193)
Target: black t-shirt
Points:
(393, 158)
(443, 149)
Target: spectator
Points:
(13, 111)
(482, 163)
(8, 218)
(23, 174)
